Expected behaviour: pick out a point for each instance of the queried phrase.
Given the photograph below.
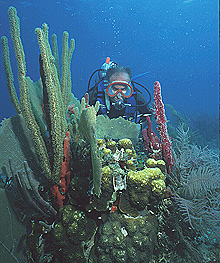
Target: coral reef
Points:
(72, 233)
(88, 191)
(125, 239)
(143, 188)
(197, 183)
(191, 214)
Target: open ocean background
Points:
(176, 40)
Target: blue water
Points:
(177, 41)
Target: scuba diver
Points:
(116, 91)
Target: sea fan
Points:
(201, 216)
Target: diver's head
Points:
(118, 73)
(119, 88)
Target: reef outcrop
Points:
(91, 189)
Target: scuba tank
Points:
(101, 73)
(108, 64)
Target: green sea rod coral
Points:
(87, 128)
(50, 163)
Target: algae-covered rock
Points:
(73, 230)
(126, 239)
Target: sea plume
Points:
(196, 183)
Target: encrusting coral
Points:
(73, 232)
(126, 239)
(143, 187)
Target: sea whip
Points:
(162, 127)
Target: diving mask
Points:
(119, 87)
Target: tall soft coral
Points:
(162, 127)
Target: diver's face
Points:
(116, 87)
